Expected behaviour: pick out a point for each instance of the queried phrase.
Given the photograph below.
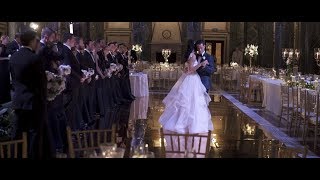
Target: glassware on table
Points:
(107, 148)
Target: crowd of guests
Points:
(94, 101)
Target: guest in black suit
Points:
(4, 71)
(84, 89)
(56, 115)
(29, 81)
(14, 45)
(74, 81)
(89, 62)
(125, 81)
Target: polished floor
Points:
(238, 128)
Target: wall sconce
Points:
(34, 26)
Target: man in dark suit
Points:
(74, 81)
(29, 100)
(14, 45)
(206, 71)
(88, 61)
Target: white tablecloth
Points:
(271, 93)
(139, 108)
(163, 74)
(139, 84)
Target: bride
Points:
(186, 105)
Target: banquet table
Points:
(139, 84)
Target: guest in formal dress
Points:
(88, 62)
(29, 100)
(14, 45)
(237, 56)
(4, 71)
(100, 86)
(56, 114)
(74, 80)
(125, 82)
(83, 90)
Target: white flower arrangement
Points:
(137, 48)
(64, 70)
(251, 50)
(234, 64)
(88, 73)
(55, 85)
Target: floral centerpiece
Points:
(251, 51)
(234, 64)
(138, 49)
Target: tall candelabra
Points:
(290, 55)
(166, 54)
(317, 55)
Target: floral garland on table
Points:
(251, 51)
(56, 83)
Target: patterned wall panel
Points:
(309, 39)
(236, 36)
(265, 43)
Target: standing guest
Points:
(56, 115)
(29, 100)
(83, 90)
(4, 71)
(14, 45)
(237, 56)
(88, 62)
(74, 81)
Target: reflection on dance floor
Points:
(234, 135)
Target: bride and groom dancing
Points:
(186, 105)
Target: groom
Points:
(206, 71)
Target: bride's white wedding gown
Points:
(186, 106)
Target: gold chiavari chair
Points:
(270, 148)
(313, 109)
(178, 144)
(81, 142)
(286, 107)
(255, 93)
(10, 149)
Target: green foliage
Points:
(6, 125)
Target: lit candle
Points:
(317, 55)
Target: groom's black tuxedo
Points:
(205, 72)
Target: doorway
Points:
(216, 49)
